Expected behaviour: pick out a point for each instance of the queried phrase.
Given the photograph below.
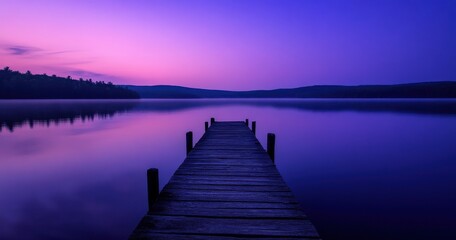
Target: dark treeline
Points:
(16, 85)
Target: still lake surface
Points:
(362, 169)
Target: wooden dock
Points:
(227, 188)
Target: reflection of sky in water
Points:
(360, 174)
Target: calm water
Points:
(362, 169)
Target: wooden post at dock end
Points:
(254, 127)
(189, 138)
(206, 126)
(152, 186)
(247, 122)
(271, 146)
(212, 121)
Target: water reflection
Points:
(14, 114)
(415, 106)
(363, 169)
(17, 113)
(81, 215)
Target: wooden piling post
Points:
(271, 146)
(247, 122)
(152, 186)
(212, 121)
(189, 138)
(206, 126)
(254, 127)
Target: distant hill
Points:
(165, 91)
(16, 85)
(410, 90)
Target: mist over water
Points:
(362, 169)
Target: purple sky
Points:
(235, 44)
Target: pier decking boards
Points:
(226, 188)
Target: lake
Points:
(362, 169)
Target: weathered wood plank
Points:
(270, 179)
(185, 172)
(230, 162)
(227, 196)
(166, 236)
(189, 165)
(227, 205)
(228, 227)
(242, 188)
(224, 183)
(201, 211)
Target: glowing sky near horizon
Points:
(228, 44)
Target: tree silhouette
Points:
(14, 84)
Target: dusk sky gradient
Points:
(232, 44)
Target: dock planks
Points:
(226, 188)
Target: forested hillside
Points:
(16, 85)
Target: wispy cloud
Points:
(70, 63)
(87, 74)
(74, 65)
(21, 50)
(44, 55)
(60, 52)
(31, 51)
